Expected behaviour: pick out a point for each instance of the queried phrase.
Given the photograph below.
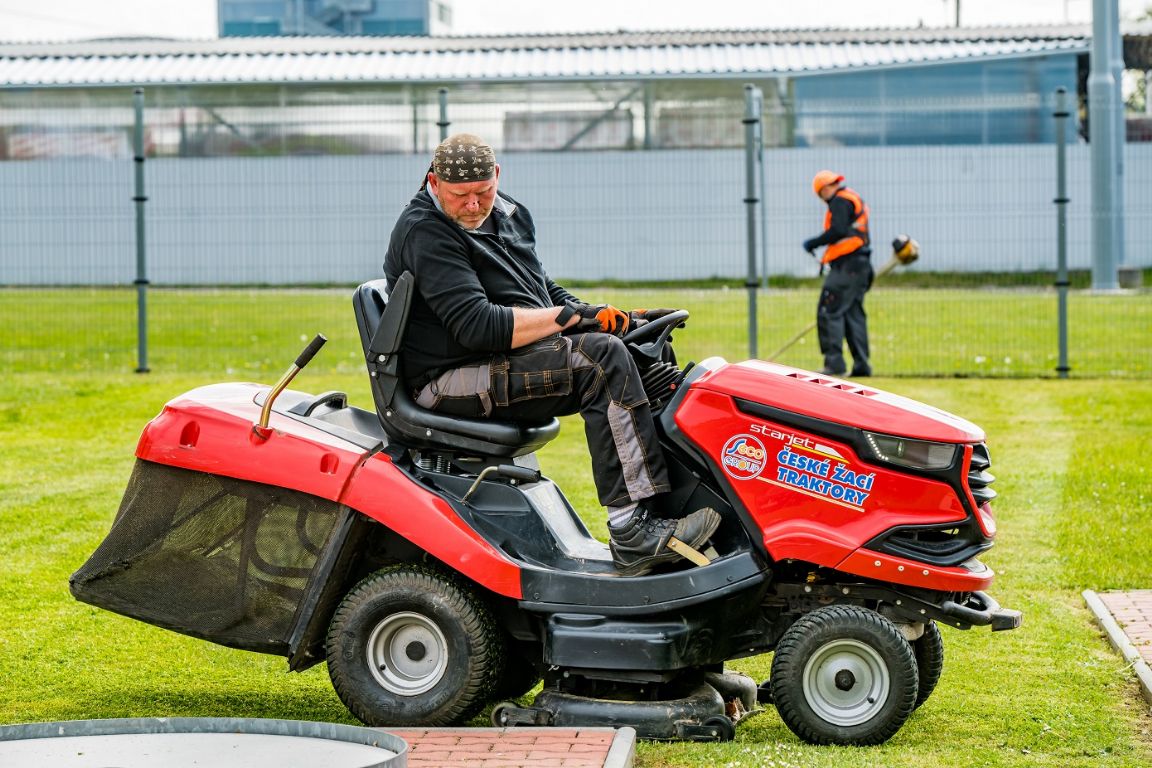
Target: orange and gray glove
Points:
(640, 317)
(599, 318)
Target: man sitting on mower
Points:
(491, 335)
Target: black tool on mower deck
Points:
(512, 472)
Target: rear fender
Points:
(380, 491)
(210, 430)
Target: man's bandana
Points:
(462, 158)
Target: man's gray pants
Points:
(592, 374)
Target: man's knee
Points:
(607, 366)
(604, 350)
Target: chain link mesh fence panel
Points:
(266, 205)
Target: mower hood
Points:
(835, 400)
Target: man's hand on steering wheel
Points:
(601, 318)
(638, 317)
(605, 318)
(655, 333)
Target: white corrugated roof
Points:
(595, 56)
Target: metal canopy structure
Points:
(583, 57)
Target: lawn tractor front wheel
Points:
(409, 646)
(929, 651)
(843, 674)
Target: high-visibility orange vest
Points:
(859, 228)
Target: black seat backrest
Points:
(388, 334)
(381, 317)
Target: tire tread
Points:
(803, 638)
(476, 621)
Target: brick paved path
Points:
(1126, 618)
(517, 747)
(1133, 612)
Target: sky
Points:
(47, 20)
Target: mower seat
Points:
(381, 316)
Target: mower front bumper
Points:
(982, 610)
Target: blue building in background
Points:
(263, 18)
(996, 101)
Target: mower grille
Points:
(209, 556)
(978, 478)
(947, 544)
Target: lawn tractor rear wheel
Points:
(929, 651)
(843, 674)
(410, 646)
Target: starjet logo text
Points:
(787, 437)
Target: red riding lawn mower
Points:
(434, 568)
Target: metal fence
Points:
(261, 216)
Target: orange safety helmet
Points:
(824, 178)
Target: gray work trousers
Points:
(840, 314)
(592, 374)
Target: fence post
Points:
(753, 101)
(763, 203)
(1105, 111)
(1061, 115)
(141, 259)
(443, 121)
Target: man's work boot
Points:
(642, 543)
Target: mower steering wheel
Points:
(654, 333)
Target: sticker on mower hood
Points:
(743, 457)
(820, 471)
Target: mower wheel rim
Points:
(846, 682)
(407, 654)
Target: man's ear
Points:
(433, 183)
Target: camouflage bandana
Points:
(463, 158)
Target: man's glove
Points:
(811, 244)
(601, 318)
(639, 317)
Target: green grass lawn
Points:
(915, 331)
(1075, 512)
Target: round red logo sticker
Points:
(743, 457)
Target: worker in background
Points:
(840, 313)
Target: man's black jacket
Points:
(467, 282)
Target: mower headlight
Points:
(918, 454)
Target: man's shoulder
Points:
(417, 209)
(420, 218)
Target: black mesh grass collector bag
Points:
(209, 556)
